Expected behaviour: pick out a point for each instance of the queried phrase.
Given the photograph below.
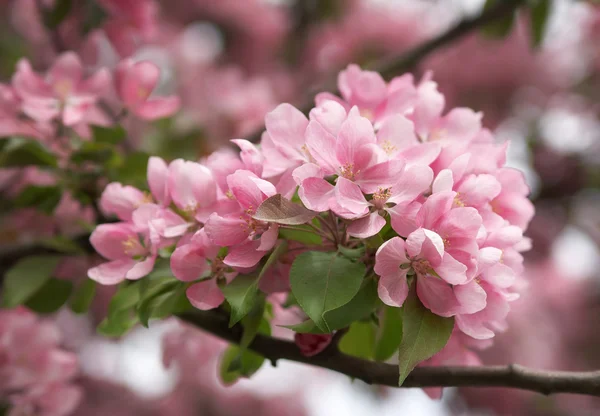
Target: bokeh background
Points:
(231, 62)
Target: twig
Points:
(371, 372)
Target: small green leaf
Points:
(305, 235)
(18, 152)
(236, 363)
(117, 325)
(538, 18)
(132, 170)
(241, 294)
(389, 333)
(42, 198)
(352, 253)
(252, 322)
(110, 135)
(499, 28)
(279, 251)
(424, 334)
(55, 15)
(83, 296)
(163, 302)
(51, 297)
(61, 244)
(94, 16)
(127, 296)
(96, 152)
(359, 341)
(322, 282)
(27, 277)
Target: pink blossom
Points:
(423, 255)
(62, 92)
(193, 189)
(121, 200)
(128, 255)
(239, 231)
(134, 82)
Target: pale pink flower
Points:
(240, 231)
(193, 189)
(134, 82)
(121, 200)
(423, 255)
(56, 399)
(63, 93)
(512, 203)
(129, 256)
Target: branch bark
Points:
(371, 372)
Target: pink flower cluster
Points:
(64, 94)
(385, 159)
(36, 374)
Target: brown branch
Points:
(405, 62)
(371, 372)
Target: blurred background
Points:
(233, 61)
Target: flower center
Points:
(388, 147)
(421, 266)
(63, 89)
(381, 196)
(458, 202)
(347, 171)
(132, 246)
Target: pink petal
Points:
(363, 88)
(109, 239)
(330, 114)
(136, 82)
(403, 217)
(434, 207)
(422, 154)
(191, 185)
(226, 231)
(316, 194)
(253, 159)
(111, 273)
(249, 190)
(305, 171)
(159, 107)
(367, 226)
(269, 238)
(355, 133)
(500, 275)
(428, 108)
(205, 295)
(245, 255)
(443, 181)
(473, 326)
(414, 181)
(471, 297)
(393, 289)
(66, 69)
(381, 175)
(389, 257)
(437, 296)
(349, 196)
(397, 133)
(286, 126)
(158, 175)
(141, 268)
(321, 145)
(451, 270)
(425, 244)
(188, 263)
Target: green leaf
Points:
(51, 297)
(18, 152)
(61, 244)
(279, 251)
(96, 152)
(132, 170)
(117, 325)
(55, 16)
(389, 333)
(27, 277)
(360, 307)
(241, 294)
(83, 296)
(352, 253)
(165, 301)
(94, 16)
(499, 28)
(424, 334)
(252, 323)
(322, 282)
(42, 198)
(305, 235)
(127, 296)
(538, 17)
(359, 341)
(236, 363)
(110, 135)
(280, 210)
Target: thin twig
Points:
(371, 372)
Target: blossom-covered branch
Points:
(371, 372)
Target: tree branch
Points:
(371, 372)
(394, 66)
